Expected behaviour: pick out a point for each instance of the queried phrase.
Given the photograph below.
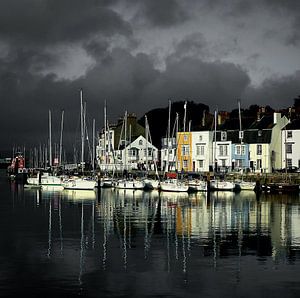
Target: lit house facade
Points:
(265, 143)
(290, 136)
(168, 154)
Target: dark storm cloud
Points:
(213, 83)
(122, 70)
(48, 22)
(294, 37)
(164, 13)
(191, 45)
(277, 92)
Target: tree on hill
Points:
(158, 119)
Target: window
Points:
(223, 162)
(185, 163)
(259, 133)
(239, 163)
(132, 152)
(185, 149)
(243, 150)
(289, 134)
(258, 164)
(200, 138)
(140, 142)
(241, 134)
(149, 152)
(223, 150)
(223, 136)
(240, 150)
(289, 163)
(165, 141)
(200, 163)
(166, 152)
(289, 148)
(259, 149)
(185, 137)
(200, 149)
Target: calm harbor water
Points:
(146, 244)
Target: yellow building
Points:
(184, 151)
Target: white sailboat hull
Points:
(245, 185)
(79, 183)
(47, 180)
(197, 185)
(129, 184)
(173, 185)
(222, 185)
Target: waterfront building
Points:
(264, 137)
(123, 146)
(194, 151)
(290, 136)
(168, 154)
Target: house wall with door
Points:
(201, 150)
(184, 151)
(168, 154)
(240, 157)
(260, 158)
(290, 148)
(140, 154)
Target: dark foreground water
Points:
(142, 244)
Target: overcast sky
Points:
(137, 54)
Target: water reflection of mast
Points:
(104, 238)
(93, 225)
(146, 240)
(60, 228)
(124, 239)
(49, 229)
(240, 240)
(81, 247)
(214, 233)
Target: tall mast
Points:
(184, 117)
(215, 143)
(93, 153)
(50, 140)
(125, 137)
(82, 126)
(147, 132)
(240, 122)
(61, 136)
(105, 132)
(168, 137)
(176, 134)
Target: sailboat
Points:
(80, 182)
(106, 180)
(150, 183)
(127, 182)
(172, 183)
(243, 185)
(48, 179)
(217, 183)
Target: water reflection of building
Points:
(172, 225)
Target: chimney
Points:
(276, 117)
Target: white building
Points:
(222, 151)
(201, 150)
(168, 154)
(290, 136)
(265, 143)
(139, 154)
